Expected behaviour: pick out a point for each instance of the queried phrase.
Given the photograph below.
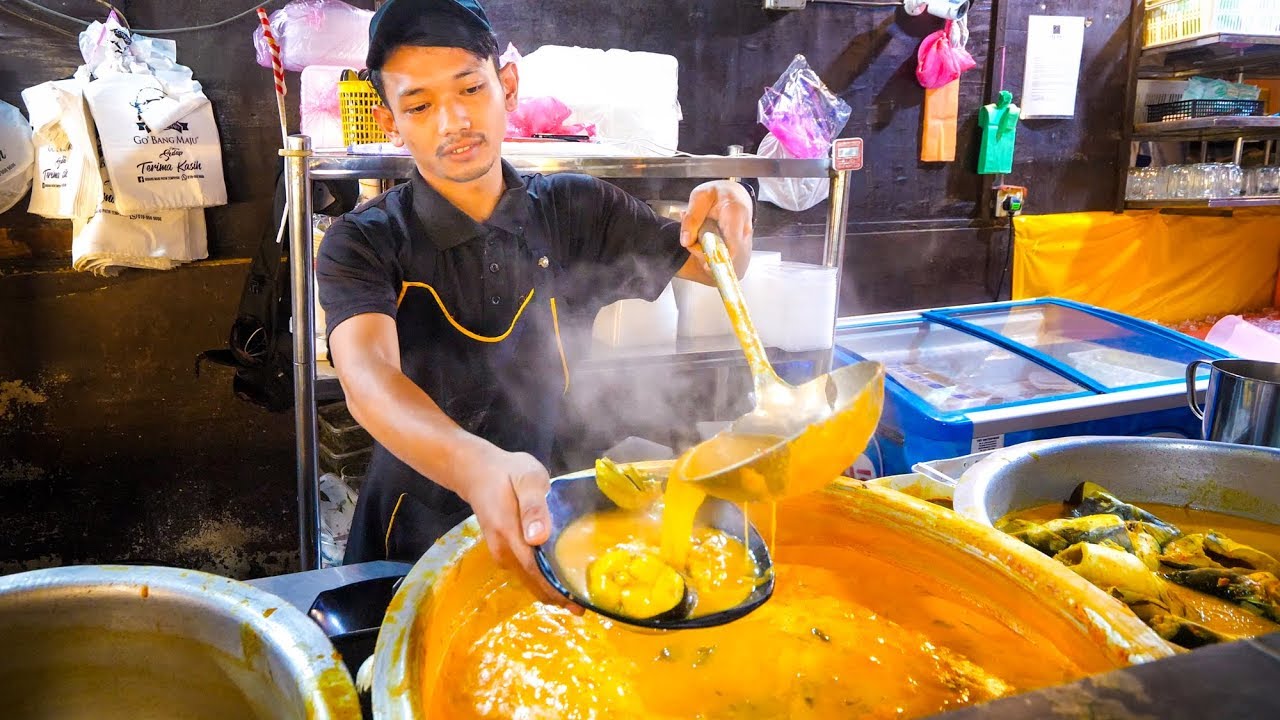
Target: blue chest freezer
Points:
(974, 378)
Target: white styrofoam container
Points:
(628, 95)
(801, 309)
(318, 105)
(628, 323)
(701, 311)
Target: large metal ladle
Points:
(798, 438)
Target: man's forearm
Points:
(408, 423)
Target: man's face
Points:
(449, 108)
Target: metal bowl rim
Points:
(975, 483)
(299, 639)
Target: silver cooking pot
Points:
(145, 643)
(1234, 479)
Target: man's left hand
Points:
(729, 204)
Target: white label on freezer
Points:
(863, 469)
(990, 442)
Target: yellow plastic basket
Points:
(356, 101)
(1170, 21)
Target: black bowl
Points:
(574, 497)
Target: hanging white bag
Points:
(157, 240)
(156, 168)
(793, 194)
(17, 156)
(67, 183)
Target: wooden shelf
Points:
(1224, 127)
(1210, 204)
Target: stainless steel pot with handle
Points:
(146, 643)
(1233, 479)
(1242, 405)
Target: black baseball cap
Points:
(392, 21)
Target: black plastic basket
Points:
(1187, 109)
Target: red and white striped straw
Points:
(277, 69)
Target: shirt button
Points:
(493, 267)
(496, 299)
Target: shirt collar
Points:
(448, 227)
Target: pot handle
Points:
(1191, 386)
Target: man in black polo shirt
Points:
(455, 301)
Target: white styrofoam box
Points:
(801, 311)
(701, 311)
(628, 323)
(627, 95)
(318, 101)
(764, 257)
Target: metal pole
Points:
(837, 217)
(833, 244)
(297, 155)
(735, 151)
(1238, 154)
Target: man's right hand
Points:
(508, 494)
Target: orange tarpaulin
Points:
(1157, 266)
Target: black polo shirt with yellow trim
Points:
(491, 316)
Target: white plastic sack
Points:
(790, 194)
(337, 511)
(67, 181)
(793, 194)
(157, 240)
(156, 167)
(316, 32)
(109, 49)
(17, 156)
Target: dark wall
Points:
(111, 450)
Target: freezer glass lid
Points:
(952, 370)
(1114, 355)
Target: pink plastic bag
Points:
(1238, 337)
(801, 112)
(939, 62)
(545, 115)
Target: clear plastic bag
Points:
(801, 112)
(1202, 88)
(17, 156)
(316, 32)
(793, 194)
(337, 510)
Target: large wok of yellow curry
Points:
(885, 606)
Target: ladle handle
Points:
(736, 305)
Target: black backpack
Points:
(260, 346)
